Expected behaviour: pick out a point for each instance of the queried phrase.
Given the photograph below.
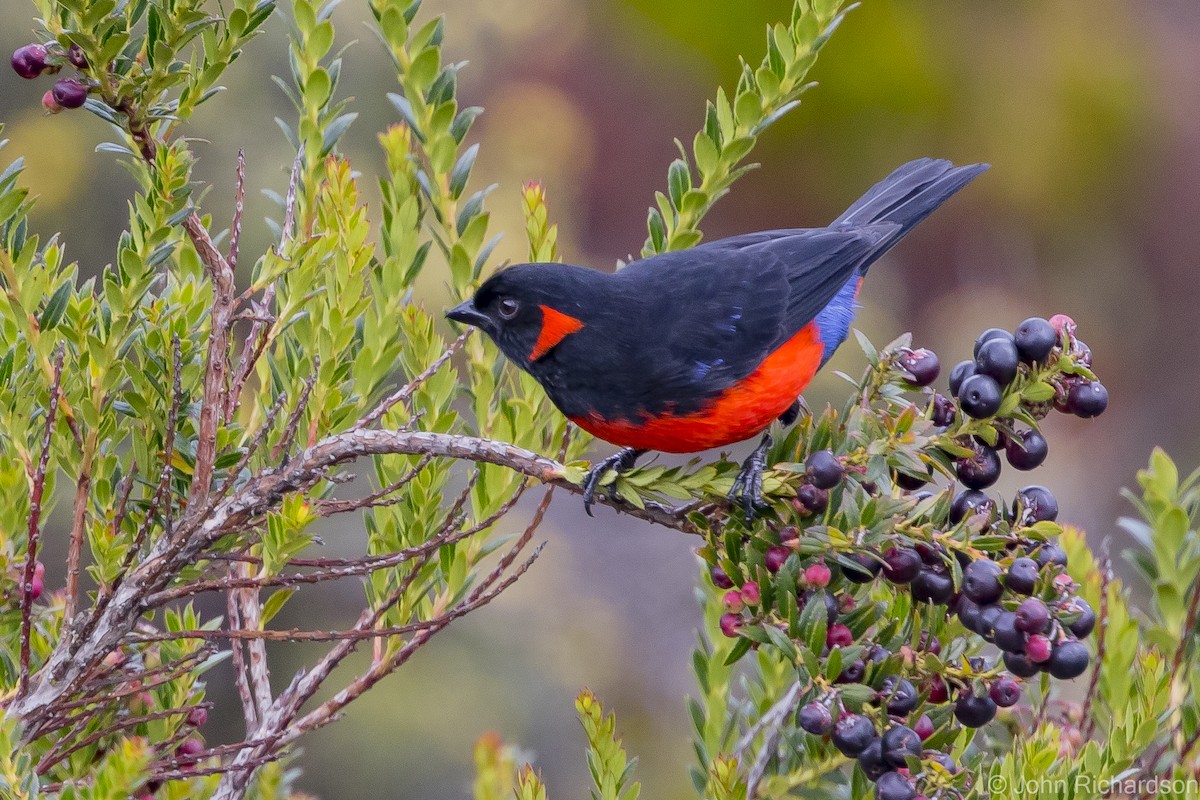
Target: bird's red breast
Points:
(739, 412)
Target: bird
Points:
(690, 350)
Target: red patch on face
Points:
(738, 413)
(556, 326)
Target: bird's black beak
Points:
(468, 314)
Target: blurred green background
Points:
(1089, 114)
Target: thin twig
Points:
(237, 652)
(1106, 577)
(327, 508)
(406, 391)
(284, 446)
(35, 530)
(75, 544)
(239, 206)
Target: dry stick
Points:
(1106, 577)
(35, 531)
(260, 436)
(75, 544)
(406, 391)
(284, 446)
(137, 682)
(237, 653)
(239, 206)
(56, 755)
(327, 508)
(251, 613)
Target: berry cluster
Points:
(32, 60)
(881, 690)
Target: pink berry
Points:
(924, 727)
(50, 104)
(817, 576)
(775, 557)
(197, 716)
(732, 600)
(751, 595)
(839, 635)
(1038, 648)
(730, 624)
(36, 587)
(1061, 322)
(189, 750)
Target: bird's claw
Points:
(620, 462)
(748, 485)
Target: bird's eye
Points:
(508, 308)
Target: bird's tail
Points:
(907, 196)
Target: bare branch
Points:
(239, 206)
(406, 391)
(284, 446)
(75, 544)
(241, 673)
(327, 508)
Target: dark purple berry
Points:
(1087, 399)
(852, 734)
(871, 761)
(1022, 576)
(947, 763)
(921, 367)
(900, 694)
(933, 587)
(987, 620)
(998, 359)
(852, 672)
(812, 498)
(900, 742)
(1005, 692)
(76, 57)
(188, 751)
(962, 370)
(980, 470)
(1038, 505)
(1006, 635)
(831, 604)
(1020, 665)
(938, 693)
(968, 613)
(867, 566)
(911, 482)
(944, 411)
(894, 786)
(924, 727)
(824, 469)
(987, 336)
(1082, 627)
(815, 718)
(981, 581)
(1035, 338)
(1027, 450)
(29, 61)
(970, 502)
(1050, 553)
(901, 564)
(979, 396)
(70, 92)
(1068, 660)
(720, 578)
(775, 557)
(1032, 616)
(974, 711)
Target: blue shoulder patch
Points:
(833, 321)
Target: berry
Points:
(921, 367)
(1035, 338)
(1061, 323)
(933, 555)
(987, 621)
(872, 761)
(76, 57)
(732, 601)
(50, 104)
(839, 635)
(751, 594)
(944, 411)
(815, 718)
(1026, 450)
(1087, 399)
(1082, 353)
(929, 643)
(981, 581)
(970, 502)
(1038, 504)
(980, 470)
(911, 482)
(989, 335)
(852, 734)
(1006, 635)
(924, 727)
(900, 694)
(814, 500)
(968, 612)
(852, 672)
(720, 578)
(1020, 665)
(998, 359)
(974, 711)
(877, 653)
(36, 586)
(900, 742)
(824, 469)
(933, 587)
(1068, 660)
(1032, 616)
(775, 557)
(894, 786)
(938, 693)
(730, 624)
(901, 564)
(979, 396)
(1083, 626)
(1022, 575)
(1038, 649)
(867, 567)
(1050, 553)
(188, 751)
(69, 92)
(197, 716)
(1005, 692)
(788, 533)
(962, 370)
(817, 576)
(29, 61)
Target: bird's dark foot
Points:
(747, 487)
(619, 462)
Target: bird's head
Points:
(528, 309)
